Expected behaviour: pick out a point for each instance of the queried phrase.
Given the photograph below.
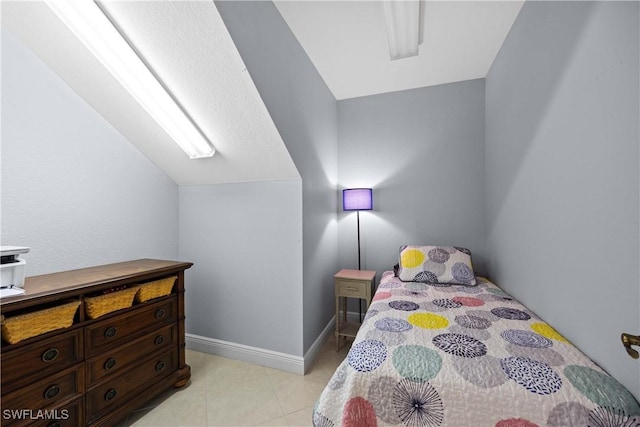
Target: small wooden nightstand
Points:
(351, 284)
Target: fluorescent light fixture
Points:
(94, 29)
(403, 27)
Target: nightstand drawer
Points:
(347, 288)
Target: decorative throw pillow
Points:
(436, 264)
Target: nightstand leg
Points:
(337, 323)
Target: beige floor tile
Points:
(177, 408)
(296, 392)
(326, 364)
(223, 373)
(198, 363)
(248, 403)
(226, 392)
(195, 358)
(301, 418)
(278, 422)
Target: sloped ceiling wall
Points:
(189, 48)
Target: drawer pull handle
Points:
(110, 364)
(110, 332)
(110, 394)
(159, 340)
(50, 355)
(352, 289)
(159, 366)
(160, 313)
(52, 391)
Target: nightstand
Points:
(350, 284)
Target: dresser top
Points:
(74, 282)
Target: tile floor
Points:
(225, 392)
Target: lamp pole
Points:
(357, 199)
(358, 219)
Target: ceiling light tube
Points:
(92, 27)
(403, 27)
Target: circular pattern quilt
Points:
(459, 355)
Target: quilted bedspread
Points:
(452, 355)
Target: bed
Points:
(439, 350)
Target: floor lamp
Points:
(357, 199)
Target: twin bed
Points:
(441, 347)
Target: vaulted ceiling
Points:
(347, 42)
(189, 48)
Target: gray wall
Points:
(562, 173)
(304, 111)
(73, 188)
(422, 153)
(245, 241)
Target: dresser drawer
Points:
(122, 328)
(114, 361)
(46, 393)
(119, 390)
(347, 288)
(67, 415)
(23, 365)
(99, 370)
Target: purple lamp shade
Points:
(357, 199)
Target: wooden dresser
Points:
(95, 372)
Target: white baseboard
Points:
(260, 356)
(315, 349)
(245, 353)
